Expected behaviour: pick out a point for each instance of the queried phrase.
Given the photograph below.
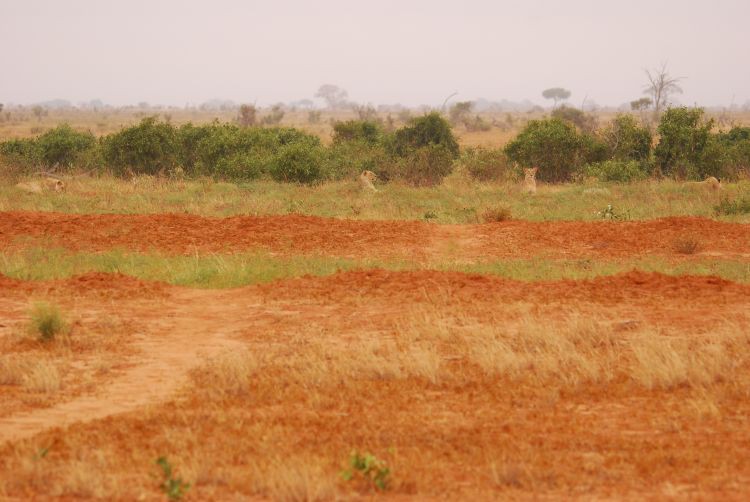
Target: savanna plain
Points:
(171, 334)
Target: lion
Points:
(366, 179)
(529, 179)
(711, 184)
(44, 185)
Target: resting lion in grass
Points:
(44, 185)
(366, 179)
(710, 184)
(529, 180)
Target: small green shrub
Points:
(369, 469)
(150, 147)
(47, 322)
(173, 488)
(486, 164)
(620, 171)
(299, 163)
(736, 206)
(430, 130)
(426, 166)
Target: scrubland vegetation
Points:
(448, 336)
(569, 145)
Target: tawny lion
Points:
(45, 185)
(711, 184)
(529, 179)
(366, 179)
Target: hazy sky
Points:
(381, 51)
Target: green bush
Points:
(301, 162)
(189, 138)
(620, 171)
(229, 152)
(683, 137)
(426, 166)
(20, 153)
(150, 147)
(486, 164)
(626, 140)
(64, 146)
(554, 146)
(426, 131)
(734, 151)
(366, 131)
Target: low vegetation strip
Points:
(213, 270)
(415, 241)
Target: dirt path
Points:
(180, 337)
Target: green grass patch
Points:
(233, 270)
(457, 200)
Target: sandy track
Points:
(180, 337)
(177, 233)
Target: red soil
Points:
(177, 233)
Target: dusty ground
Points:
(469, 386)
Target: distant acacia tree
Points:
(333, 95)
(247, 115)
(660, 86)
(556, 94)
(640, 104)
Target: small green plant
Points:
(369, 468)
(47, 322)
(737, 206)
(430, 215)
(173, 487)
(610, 213)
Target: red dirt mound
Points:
(630, 287)
(114, 285)
(176, 233)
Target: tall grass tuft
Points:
(47, 322)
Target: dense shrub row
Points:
(566, 146)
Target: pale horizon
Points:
(175, 53)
